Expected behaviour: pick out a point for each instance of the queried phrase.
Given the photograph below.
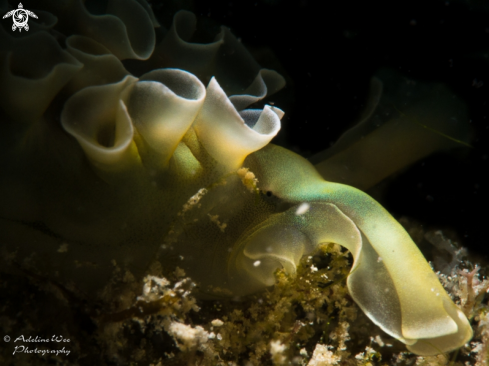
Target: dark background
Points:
(328, 50)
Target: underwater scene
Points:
(244, 183)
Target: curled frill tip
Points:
(230, 136)
(393, 283)
(460, 335)
(397, 289)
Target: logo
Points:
(20, 17)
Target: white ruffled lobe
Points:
(97, 117)
(177, 50)
(229, 136)
(127, 28)
(156, 112)
(163, 105)
(100, 66)
(33, 70)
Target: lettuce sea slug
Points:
(165, 159)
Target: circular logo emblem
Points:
(20, 17)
